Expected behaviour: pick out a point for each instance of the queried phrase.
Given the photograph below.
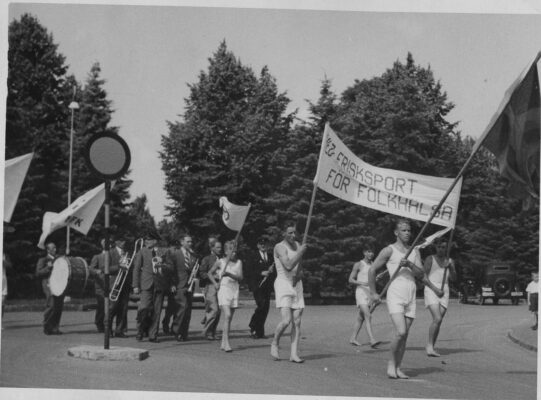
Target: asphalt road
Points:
(478, 359)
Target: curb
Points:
(520, 342)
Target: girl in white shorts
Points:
(359, 278)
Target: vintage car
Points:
(496, 281)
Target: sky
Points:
(149, 55)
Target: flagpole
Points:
(449, 244)
(425, 226)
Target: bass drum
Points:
(69, 277)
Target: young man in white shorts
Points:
(401, 292)
(289, 291)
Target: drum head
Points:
(59, 276)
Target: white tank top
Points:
(362, 275)
(436, 272)
(394, 261)
(281, 272)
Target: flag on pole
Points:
(15, 172)
(232, 214)
(513, 134)
(429, 239)
(79, 215)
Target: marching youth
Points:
(53, 304)
(229, 270)
(289, 291)
(212, 309)
(401, 292)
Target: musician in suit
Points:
(118, 310)
(182, 261)
(99, 287)
(53, 304)
(212, 309)
(260, 276)
(152, 279)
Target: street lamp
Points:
(73, 106)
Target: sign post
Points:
(108, 156)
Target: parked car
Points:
(497, 281)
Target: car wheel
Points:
(502, 287)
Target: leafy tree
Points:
(228, 144)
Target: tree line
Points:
(235, 137)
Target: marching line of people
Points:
(161, 273)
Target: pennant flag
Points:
(233, 215)
(428, 240)
(344, 175)
(15, 172)
(513, 134)
(79, 215)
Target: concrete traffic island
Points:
(97, 353)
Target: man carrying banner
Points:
(401, 292)
(288, 290)
(54, 304)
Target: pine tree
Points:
(36, 120)
(228, 144)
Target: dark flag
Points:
(513, 135)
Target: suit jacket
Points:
(144, 277)
(253, 272)
(175, 260)
(206, 265)
(97, 268)
(44, 266)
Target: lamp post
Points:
(73, 106)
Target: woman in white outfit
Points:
(437, 300)
(359, 278)
(288, 290)
(229, 269)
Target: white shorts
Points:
(287, 295)
(401, 297)
(228, 296)
(431, 298)
(362, 295)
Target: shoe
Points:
(139, 337)
(534, 327)
(166, 329)
(120, 335)
(296, 360)
(47, 332)
(253, 335)
(179, 338)
(56, 332)
(261, 337)
(154, 340)
(210, 337)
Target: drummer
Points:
(54, 304)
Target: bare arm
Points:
(289, 263)
(237, 277)
(353, 275)
(428, 282)
(379, 262)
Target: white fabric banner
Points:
(233, 215)
(15, 172)
(344, 175)
(80, 215)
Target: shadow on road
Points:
(414, 372)
(446, 352)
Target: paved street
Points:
(479, 361)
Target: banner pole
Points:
(449, 244)
(425, 226)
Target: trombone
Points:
(125, 264)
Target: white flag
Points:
(233, 215)
(15, 172)
(428, 240)
(79, 215)
(344, 175)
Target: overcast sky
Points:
(148, 55)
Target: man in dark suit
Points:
(152, 279)
(212, 310)
(53, 304)
(98, 274)
(117, 309)
(182, 261)
(260, 276)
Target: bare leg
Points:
(402, 350)
(228, 315)
(295, 336)
(287, 318)
(398, 345)
(437, 312)
(365, 313)
(357, 328)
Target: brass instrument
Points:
(125, 264)
(193, 276)
(157, 262)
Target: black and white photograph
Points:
(270, 199)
